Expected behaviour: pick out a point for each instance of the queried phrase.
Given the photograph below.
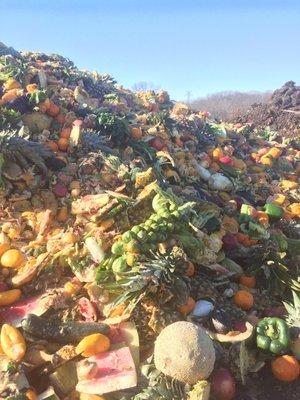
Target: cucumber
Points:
(61, 332)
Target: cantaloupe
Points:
(185, 352)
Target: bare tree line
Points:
(227, 105)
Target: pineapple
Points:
(92, 140)
(160, 386)
(150, 319)
(293, 309)
(16, 148)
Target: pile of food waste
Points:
(146, 251)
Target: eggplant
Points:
(61, 332)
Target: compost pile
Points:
(281, 114)
(146, 251)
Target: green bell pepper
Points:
(274, 211)
(272, 334)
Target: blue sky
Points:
(201, 46)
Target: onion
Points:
(239, 326)
(223, 384)
(60, 190)
(229, 241)
(157, 143)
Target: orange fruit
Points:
(249, 281)
(93, 344)
(44, 106)
(243, 299)
(31, 394)
(62, 214)
(12, 259)
(136, 133)
(118, 310)
(3, 248)
(31, 88)
(52, 145)
(60, 118)
(190, 269)
(188, 307)
(217, 153)
(285, 368)
(53, 110)
(65, 133)
(63, 144)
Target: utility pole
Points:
(188, 97)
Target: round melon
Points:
(185, 352)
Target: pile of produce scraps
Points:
(146, 251)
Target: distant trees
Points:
(228, 105)
(143, 86)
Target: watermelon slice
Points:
(14, 314)
(115, 371)
(126, 334)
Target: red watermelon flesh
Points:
(115, 371)
(14, 314)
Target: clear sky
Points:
(201, 46)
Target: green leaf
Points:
(37, 97)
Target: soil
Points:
(281, 113)
(265, 387)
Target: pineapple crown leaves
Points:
(160, 386)
(293, 310)
(12, 68)
(9, 118)
(161, 271)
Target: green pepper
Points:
(273, 211)
(272, 334)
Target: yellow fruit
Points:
(217, 153)
(11, 83)
(75, 185)
(279, 199)
(12, 342)
(285, 184)
(275, 152)
(3, 248)
(12, 259)
(266, 160)
(295, 209)
(93, 344)
(9, 297)
(84, 396)
(62, 214)
(72, 287)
